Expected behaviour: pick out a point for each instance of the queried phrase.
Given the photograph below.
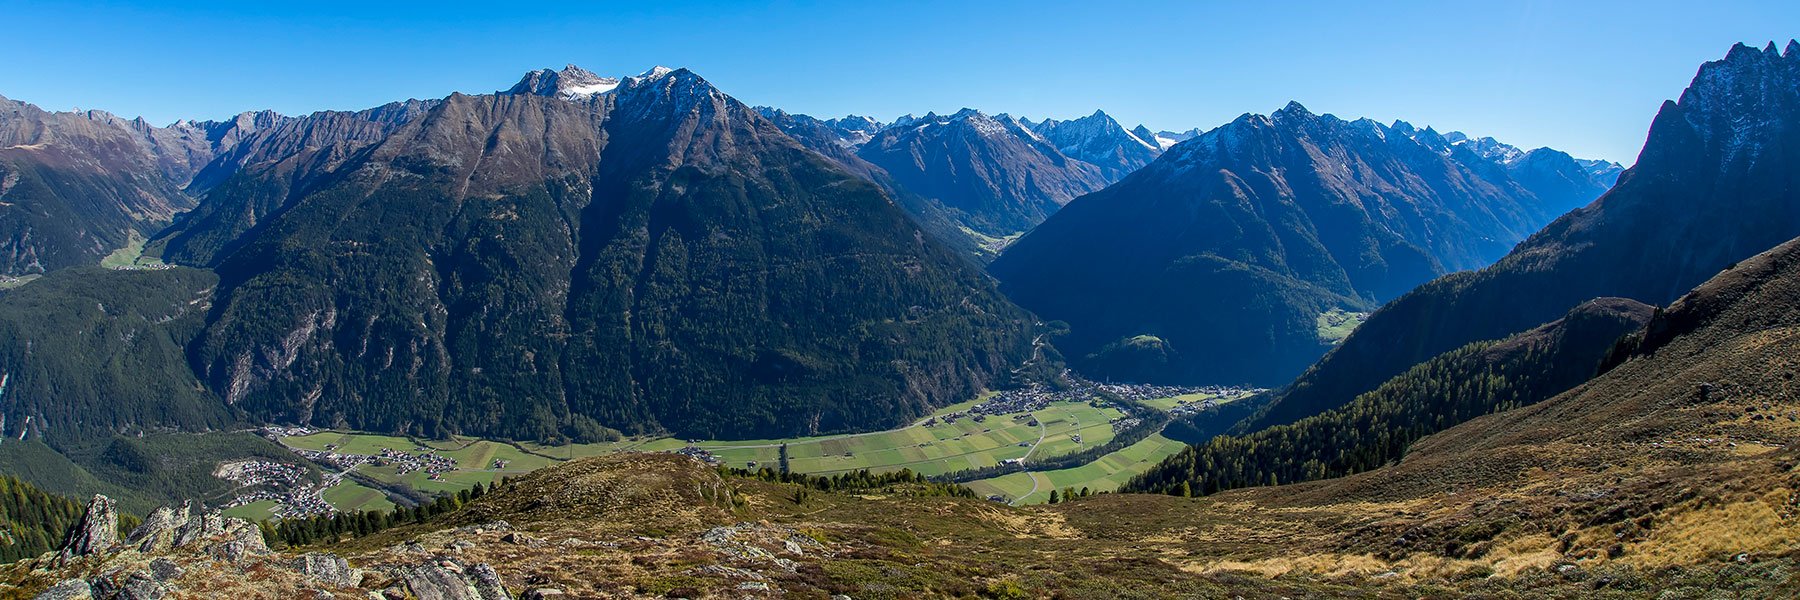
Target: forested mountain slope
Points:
(1378, 427)
(653, 256)
(1716, 183)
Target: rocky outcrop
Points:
(327, 568)
(98, 530)
(448, 579)
(163, 549)
(225, 538)
(132, 585)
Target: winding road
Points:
(1032, 475)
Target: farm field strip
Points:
(1103, 475)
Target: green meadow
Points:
(1103, 475)
(931, 450)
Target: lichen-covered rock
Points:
(157, 533)
(165, 570)
(137, 585)
(327, 568)
(96, 532)
(445, 579)
(191, 527)
(68, 589)
(142, 585)
(487, 583)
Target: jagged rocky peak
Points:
(1736, 106)
(574, 82)
(96, 532)
(855, 122)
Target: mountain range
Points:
(1215, 262)
(1573, 380)
(527, 267)
(975, 180)
(513, 264)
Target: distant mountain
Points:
(75, 186)
(1214, 263)
(1560, 181)
(1716, 183)
(1101, 141)
(1165, 139)
(970, 179)
(549, 262)
(838, 139)
(996, 175)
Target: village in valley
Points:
(357, 471)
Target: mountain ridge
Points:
(1726, 180)
(1299, 213)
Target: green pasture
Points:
(1105, 474)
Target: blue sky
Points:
(1585, 77)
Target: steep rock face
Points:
(1714, 184)
(995, 175)
(1101, 141)
(656, 256)
(1229, 246)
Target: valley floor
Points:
(380, 469)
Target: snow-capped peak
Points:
(655, 73)
(575, 83)
(571, 82)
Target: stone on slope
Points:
(327, 568)
(446, 579)
(68, 589)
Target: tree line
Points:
(335, 527)
(1378, 427)
(902, 481)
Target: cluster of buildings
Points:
(155, 266)
(1145, 391)
(421, 459)
(703, 455)
(283, 483)
(274, 432)
(341, 461)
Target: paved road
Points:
(1033, 476)
(1034, 489)
(1040, 442)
